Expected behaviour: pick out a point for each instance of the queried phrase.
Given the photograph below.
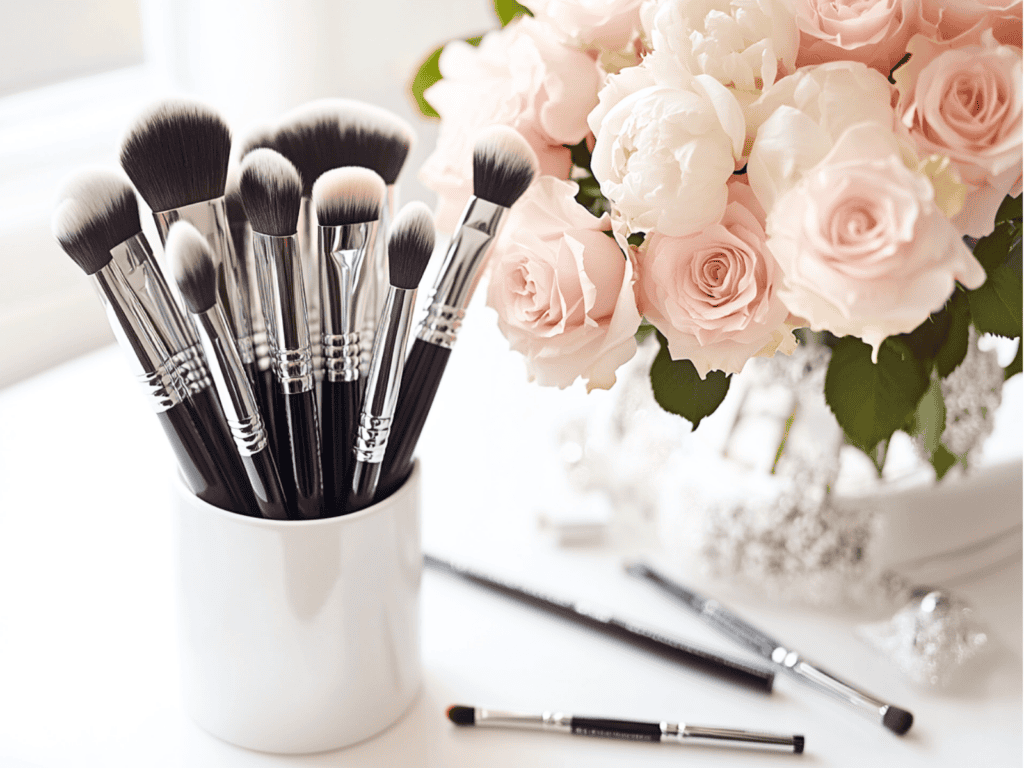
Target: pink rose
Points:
(965, 104)
(521, 76)
(604, 24)
(563, 289)
(963, 21)
(865, 250)
(874, 32)
(714, 294)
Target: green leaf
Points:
(1009, 209)
(954, 346)
(508, 10)
(873, 400)
(581, 155)
(930, 417)
(943, 461)
(996, 305)
(1015, 365)
(680, 390)
(428, 74)
(645, 330)
(992, 249)
(636, 239)
(926, 340)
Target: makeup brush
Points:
(176, 153)
(348, 204)
(720, 618)
(380, 140)
(271, 192)
(503, 167)
(409, 247)
(195, 272)
(100, 230)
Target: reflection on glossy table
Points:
(88, 656)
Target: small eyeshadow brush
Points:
(195, 271)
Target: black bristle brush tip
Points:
(461, 715)
(410, 244)
(350, 195)
(374, 138)
(271, 192)
(897, 720)
(310, 137)
(798, 745)
(176, 153)
(504, 165)
(193, 265)
(101, 214)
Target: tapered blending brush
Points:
(348, 204)
(271, 192)
(503, 167)
(176, 153)
(374, 138)
(195, 271)
(410, 244)
(99, 228)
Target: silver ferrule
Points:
(143, 344)
(730, 736)
(385, 376)
(461, 271)
(233, 389)
(210, 217)
(549, 721)
(343, 251)
(371, 297)
(282, 294)
(823, 681)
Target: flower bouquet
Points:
(737, 176)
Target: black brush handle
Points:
(200, 471)
(340, 412)
(277, 426)
(304, 438)
(266, 484)
(210, 421)
(424, 368)
(629, 730)
(365, 481)
(724, 667)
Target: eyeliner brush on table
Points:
(723, 667)
(348, 205)
(100, 230)
(409, 247)
(503, 167)
(176, 153)
(629, 730)
(195, 272)
(271, 191)
(715, 615)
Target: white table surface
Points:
(88, 664)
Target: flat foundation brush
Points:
(503, 167)
(195, 271)
(99, 228)
(176, 154)
(348, 205)
(271, 191)
(409, 247)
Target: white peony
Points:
(664, 154)
(744, 44)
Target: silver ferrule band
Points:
(731, 736)
(137, 335)
(375, 279)
(233, 389)
(460, 273)
(823, 681)
(343, 250)
(210, 217)
(282, 293)
(549, 721)
(385, 376)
